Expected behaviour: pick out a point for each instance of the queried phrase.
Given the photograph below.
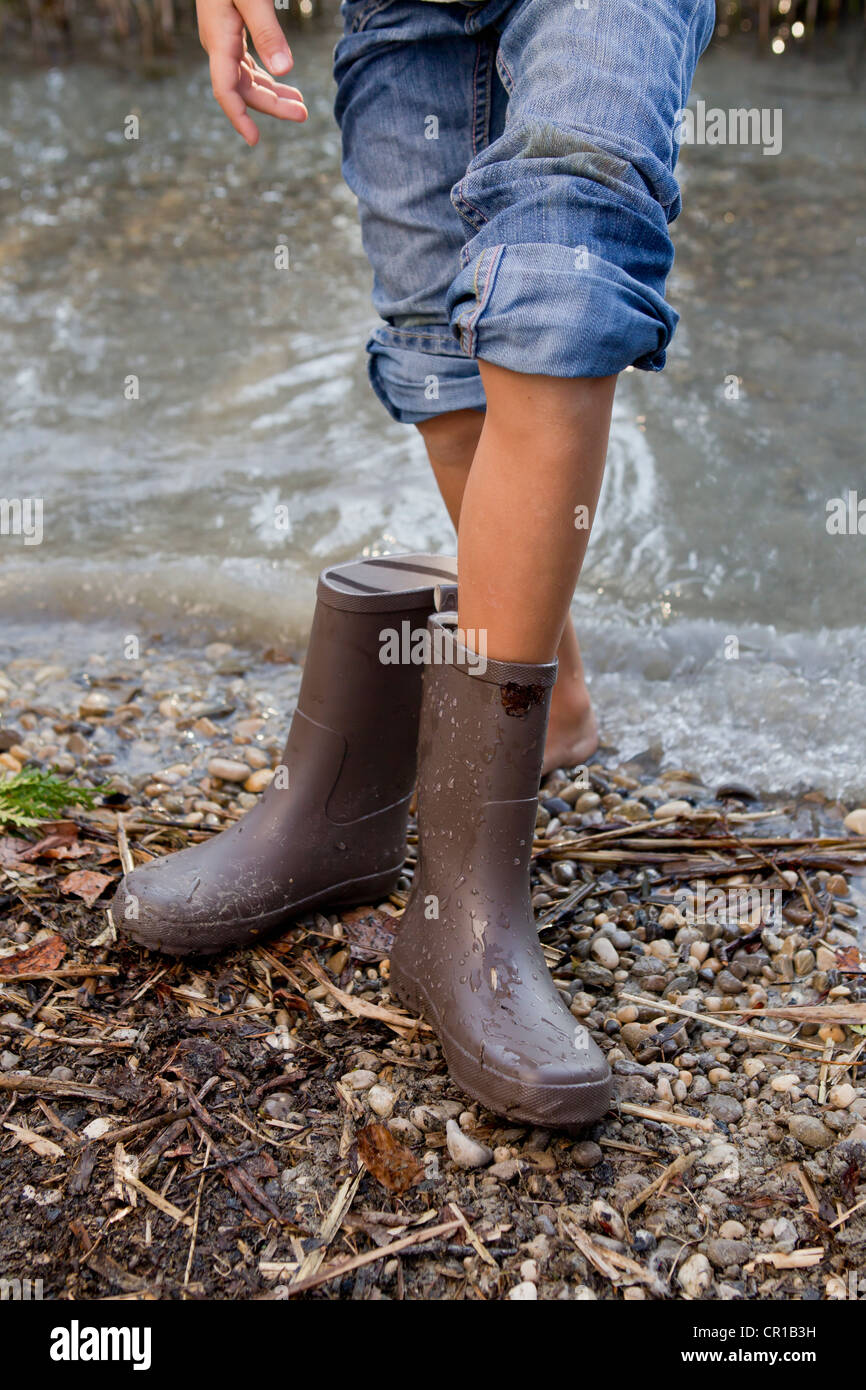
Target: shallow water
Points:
(155, 258)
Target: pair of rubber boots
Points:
(330, 831)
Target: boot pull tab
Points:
(445, 598)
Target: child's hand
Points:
(237, 80)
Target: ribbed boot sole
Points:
(569, 1107)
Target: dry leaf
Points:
(45, 1148)
(86, 884)
(390, 1162)
(44, 955)
(370, 934)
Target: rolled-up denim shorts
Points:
(513, 162)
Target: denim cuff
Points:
(419, 373)
(558, 311)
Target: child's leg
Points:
(540, 458)
(572, 732)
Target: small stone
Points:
(257, 781)
(732, 1230)
(465, 1151)
(507, 1170)
(673, 808)
(525, 1292)
(606, 1219)
(588, 801)
(62, 1074)
(605, 952)
(856, 821)
(432, 1117)
(359, 1080)
(804, 962)
(785, 1081)
(725, 1108)
(841, 1096)
(723, 1253)
(95, 704)
(9, 1061)
(825, 959)
(810, 1131)
(695, 1276)
(529, 1271)
(753, 1066)
(728, 983)
(227, 770)
(215, 651)
(587, 1154)
(381, 1100)
(837, 885)
(279, 1105)
(405, 1131)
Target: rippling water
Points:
(155, 258)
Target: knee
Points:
(452, 438)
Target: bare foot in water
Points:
(572, 729)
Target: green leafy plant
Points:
(33, 796)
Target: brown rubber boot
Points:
(331, 827)
(467, 954)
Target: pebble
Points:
(9, 1061)
(725, 1108)
(525, 1292)
(587, 1154)
(96, 703)
(732, 1230)
(605, 952)
(359, 1080)
(810, 1131)
(257, 781)
(841, 1096)
(673, 808)
(529, 1271)
(432, 1117)
(695, 1276)
(279, 1105)
(856, 821)
(465, 1151)
(723, 1253)
(381, 1100)
(405, 1131)
(227, 770)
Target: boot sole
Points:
(570, 1107)
(352, 893)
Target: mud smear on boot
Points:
(518, 700)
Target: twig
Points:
(679, 1165)
(63, 972)
(475, 1241)
(48, 1086)
(124, 851)
(117, 1136)
(665, 1117)
(718, 1020)
(336, 1271)
(312, 1261)
(194, 1235)
(400, 1023)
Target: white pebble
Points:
(359, 1080)
(381, 1100)
(695, 1276)
(523, 1292)
(465, 1151)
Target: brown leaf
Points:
(57, 842)
(86, 884)
(390, 1162)
(370, 934)
(11, 850)
(849, 962)
(45, 955)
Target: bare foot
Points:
(572, 731)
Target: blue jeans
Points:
(513, 162)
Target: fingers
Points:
(269, 39)
(226, 80)
(262, 93)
